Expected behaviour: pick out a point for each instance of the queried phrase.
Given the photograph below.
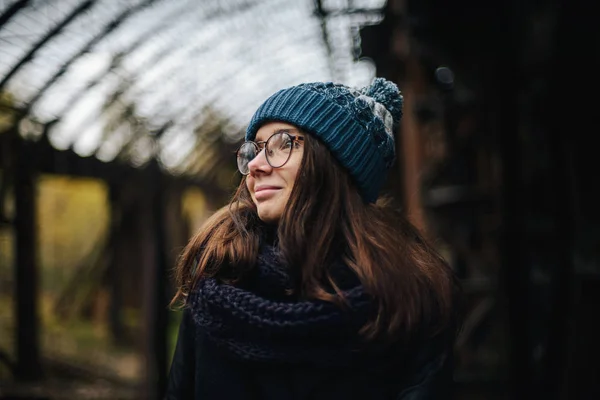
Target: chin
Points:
(269, 213)
(269, 217)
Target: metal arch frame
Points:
(240, 54)
(108, 29)
(193, 49)
(197, 48)
(55, 31)
(158, 132)
(117, 60)
(150, 63)
(12, 11)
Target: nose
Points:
(259, 164)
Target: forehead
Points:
(270, 128)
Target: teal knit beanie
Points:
(357, 125)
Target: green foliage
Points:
(73, 218)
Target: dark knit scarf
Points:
(258, 320)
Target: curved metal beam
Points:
(118, 60)
(74, 14)
(127, 148)
(12, 10)
(183, 111)
(110, 27)
(150, 64)
(174, 89)
(244, 51)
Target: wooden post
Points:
(117, 245)
(411, 147)
(503, 84)
(28, 365)
(155, 313)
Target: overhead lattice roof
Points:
(135, 79)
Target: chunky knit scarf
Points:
(258, 320)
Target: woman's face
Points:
(270, 187)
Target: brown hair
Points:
(326, 217)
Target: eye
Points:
(286, 143)
(279, 141)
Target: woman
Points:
(304, 287)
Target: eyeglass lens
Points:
(278, 149)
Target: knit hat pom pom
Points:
(388, 94)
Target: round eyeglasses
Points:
(278, 149)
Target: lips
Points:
(260, 188)
(263, 192)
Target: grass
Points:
(83, 342)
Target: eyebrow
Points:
(281, 130)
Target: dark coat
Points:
(201, 370)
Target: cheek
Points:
(293, 169)
(249, 184)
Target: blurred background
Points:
(118, 125)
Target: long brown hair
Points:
(327, 219)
